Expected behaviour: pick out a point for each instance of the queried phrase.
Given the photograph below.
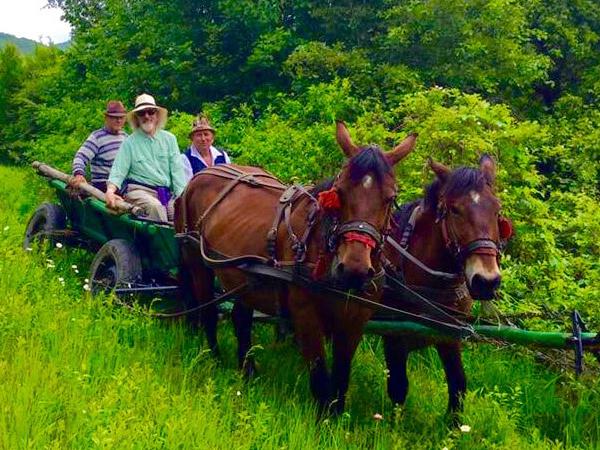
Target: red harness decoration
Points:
(322, 265)
(505, 228)
(329, 199)
(360, 237)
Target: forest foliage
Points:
(519, 80)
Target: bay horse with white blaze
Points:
(332, 233)
(446, 248)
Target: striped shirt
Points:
(99, 150)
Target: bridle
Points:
(352, 230)
(482, 246)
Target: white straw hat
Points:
(146, 101)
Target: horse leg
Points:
(344, 347)
(283, 328)
(197, 284)
(455, 375)
(313, 350)
(209, 315)
(242, 322)
(396, 358)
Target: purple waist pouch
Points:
(164, 195)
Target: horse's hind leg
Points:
(242, 323)
(396, 357)
(455, 374)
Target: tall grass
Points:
(82, 372)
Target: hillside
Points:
(25, 45)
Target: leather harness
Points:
(352, 230)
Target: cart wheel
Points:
(117, 264)
(48, 217)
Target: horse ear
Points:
(488, 166)
(439, 169)
(343, 138)
(402, 149)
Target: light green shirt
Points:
(152, 160)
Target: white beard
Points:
(148, 127)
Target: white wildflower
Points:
(74, 266)
(238, 393)
(61, 279)
(86, 287)
(59, 245)
(465, 428)
(377, 416)
(86, 281)
(76, 270)
(29, 249)
(6, 228)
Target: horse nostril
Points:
(485, 287)
(339, 270)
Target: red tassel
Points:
(505, 228)
(329, 199)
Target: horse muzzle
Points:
(483, 276)
(351, 274)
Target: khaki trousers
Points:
(147, 199)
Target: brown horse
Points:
(339, 237)
(452, 239)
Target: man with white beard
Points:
(148, 167)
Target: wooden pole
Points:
(51, 172)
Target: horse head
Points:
(361, 200)
(468, 213)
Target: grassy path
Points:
(77, 372)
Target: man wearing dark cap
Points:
(100, 148)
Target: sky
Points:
(29, 19)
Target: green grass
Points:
(82, 372)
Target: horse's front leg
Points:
(396, 358)
(455, 375)
(344, 346)
(242, 323)
(311, 338)
(197, 282)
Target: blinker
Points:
(505, 228)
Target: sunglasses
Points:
(144, 112)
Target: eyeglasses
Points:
(143, 112)
(115, 117)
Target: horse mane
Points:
(324, 185)
(460, 182)
(369, 159)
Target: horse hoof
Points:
(453, 419)
(249, 370)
